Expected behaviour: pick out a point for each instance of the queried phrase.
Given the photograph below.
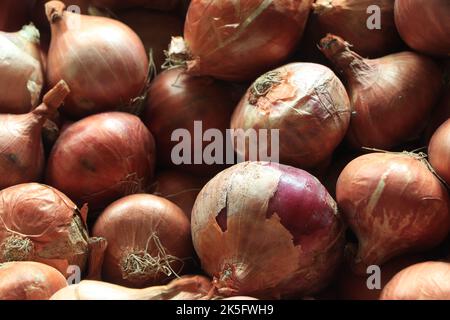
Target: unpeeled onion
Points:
(439, 151)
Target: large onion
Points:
(439, 151)
(394, 204)
(14, 14)
(164, 5)
(240, 40)
(306, 102)
(267, 230)
(102, 60)
(102, 158)
(390, 96)
(424, 25)
(29, 281)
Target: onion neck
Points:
(54, 11)
(51, 102)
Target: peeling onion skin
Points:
(128, 225)
(309, 105)
(256, 255)
(391, 96)
(394, 204)
(29, 281)
(103, 61)
(102, 158)
(439, 151)
(424, 281)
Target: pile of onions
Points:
(21, 71)
(185, 288)
(390, 96)
(104, 72)
(394, 204)
(424, 25)
(29, 281)
(306, 102)
(21, 148)
(424, 281)
(14, 14)
(239, 42)
(439, 151)
(267, 230)
(163, 5)
(102, 158)
(176, 100)
(149, 241)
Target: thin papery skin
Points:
(47, 218)
(29, 281)
(102, 158)
(267, 231)
(439, 151)
(239, 40)
(129, 226)
(394, 204)
(309, 105)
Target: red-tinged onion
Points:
(394, 204)
(14, 14)
(29, 281)
(21, 70)
(424, 281)
(21, 148)
(163, 5)
(439, 151)
(424, 25)
(239, 41)
(267, 230)
(306, 102)
(149, 241)
(102, 158)
(103, 61)
(176, 101)
(390, 96)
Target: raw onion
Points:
(439, 151)
(14, 14)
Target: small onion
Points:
(439, 151)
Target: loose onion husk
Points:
(394, 204)
(268, 231)
(14, 14)
(101, 158)
(439, 151)
(29, 281)
(390, 96)
(163, 5)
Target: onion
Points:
(390, 96)
(149, 241)
(424, 25)
(176, 100)
(163, 5)
(238, 41)
(424, 281)
(29, 281)
(102, 158)
(439, 151)
(21, 148)
(267, 230)
(13, 14)
(185, 288)
(21, 72)
(306, 102)
(394, 204)
(104, 72)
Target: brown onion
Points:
(163, 5)
(14, 14)
(239, 41)
(29, 281)
(424, 25)
(424, 281)
(21, 70)
(102, 158)
(306, 102)
(439, 151)
(21, 148)
(102, 60)
(267, 230)
(394, 204)
(390, 96)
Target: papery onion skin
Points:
(439, 151)
(102, 158)
(310, 107)
(390, 96)
(103, 61)
(424, 281)
(163, 5)
(394, 204)
(267, 231)
(29, 281)
(135, 226)
(14, 14)
(424, 25)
